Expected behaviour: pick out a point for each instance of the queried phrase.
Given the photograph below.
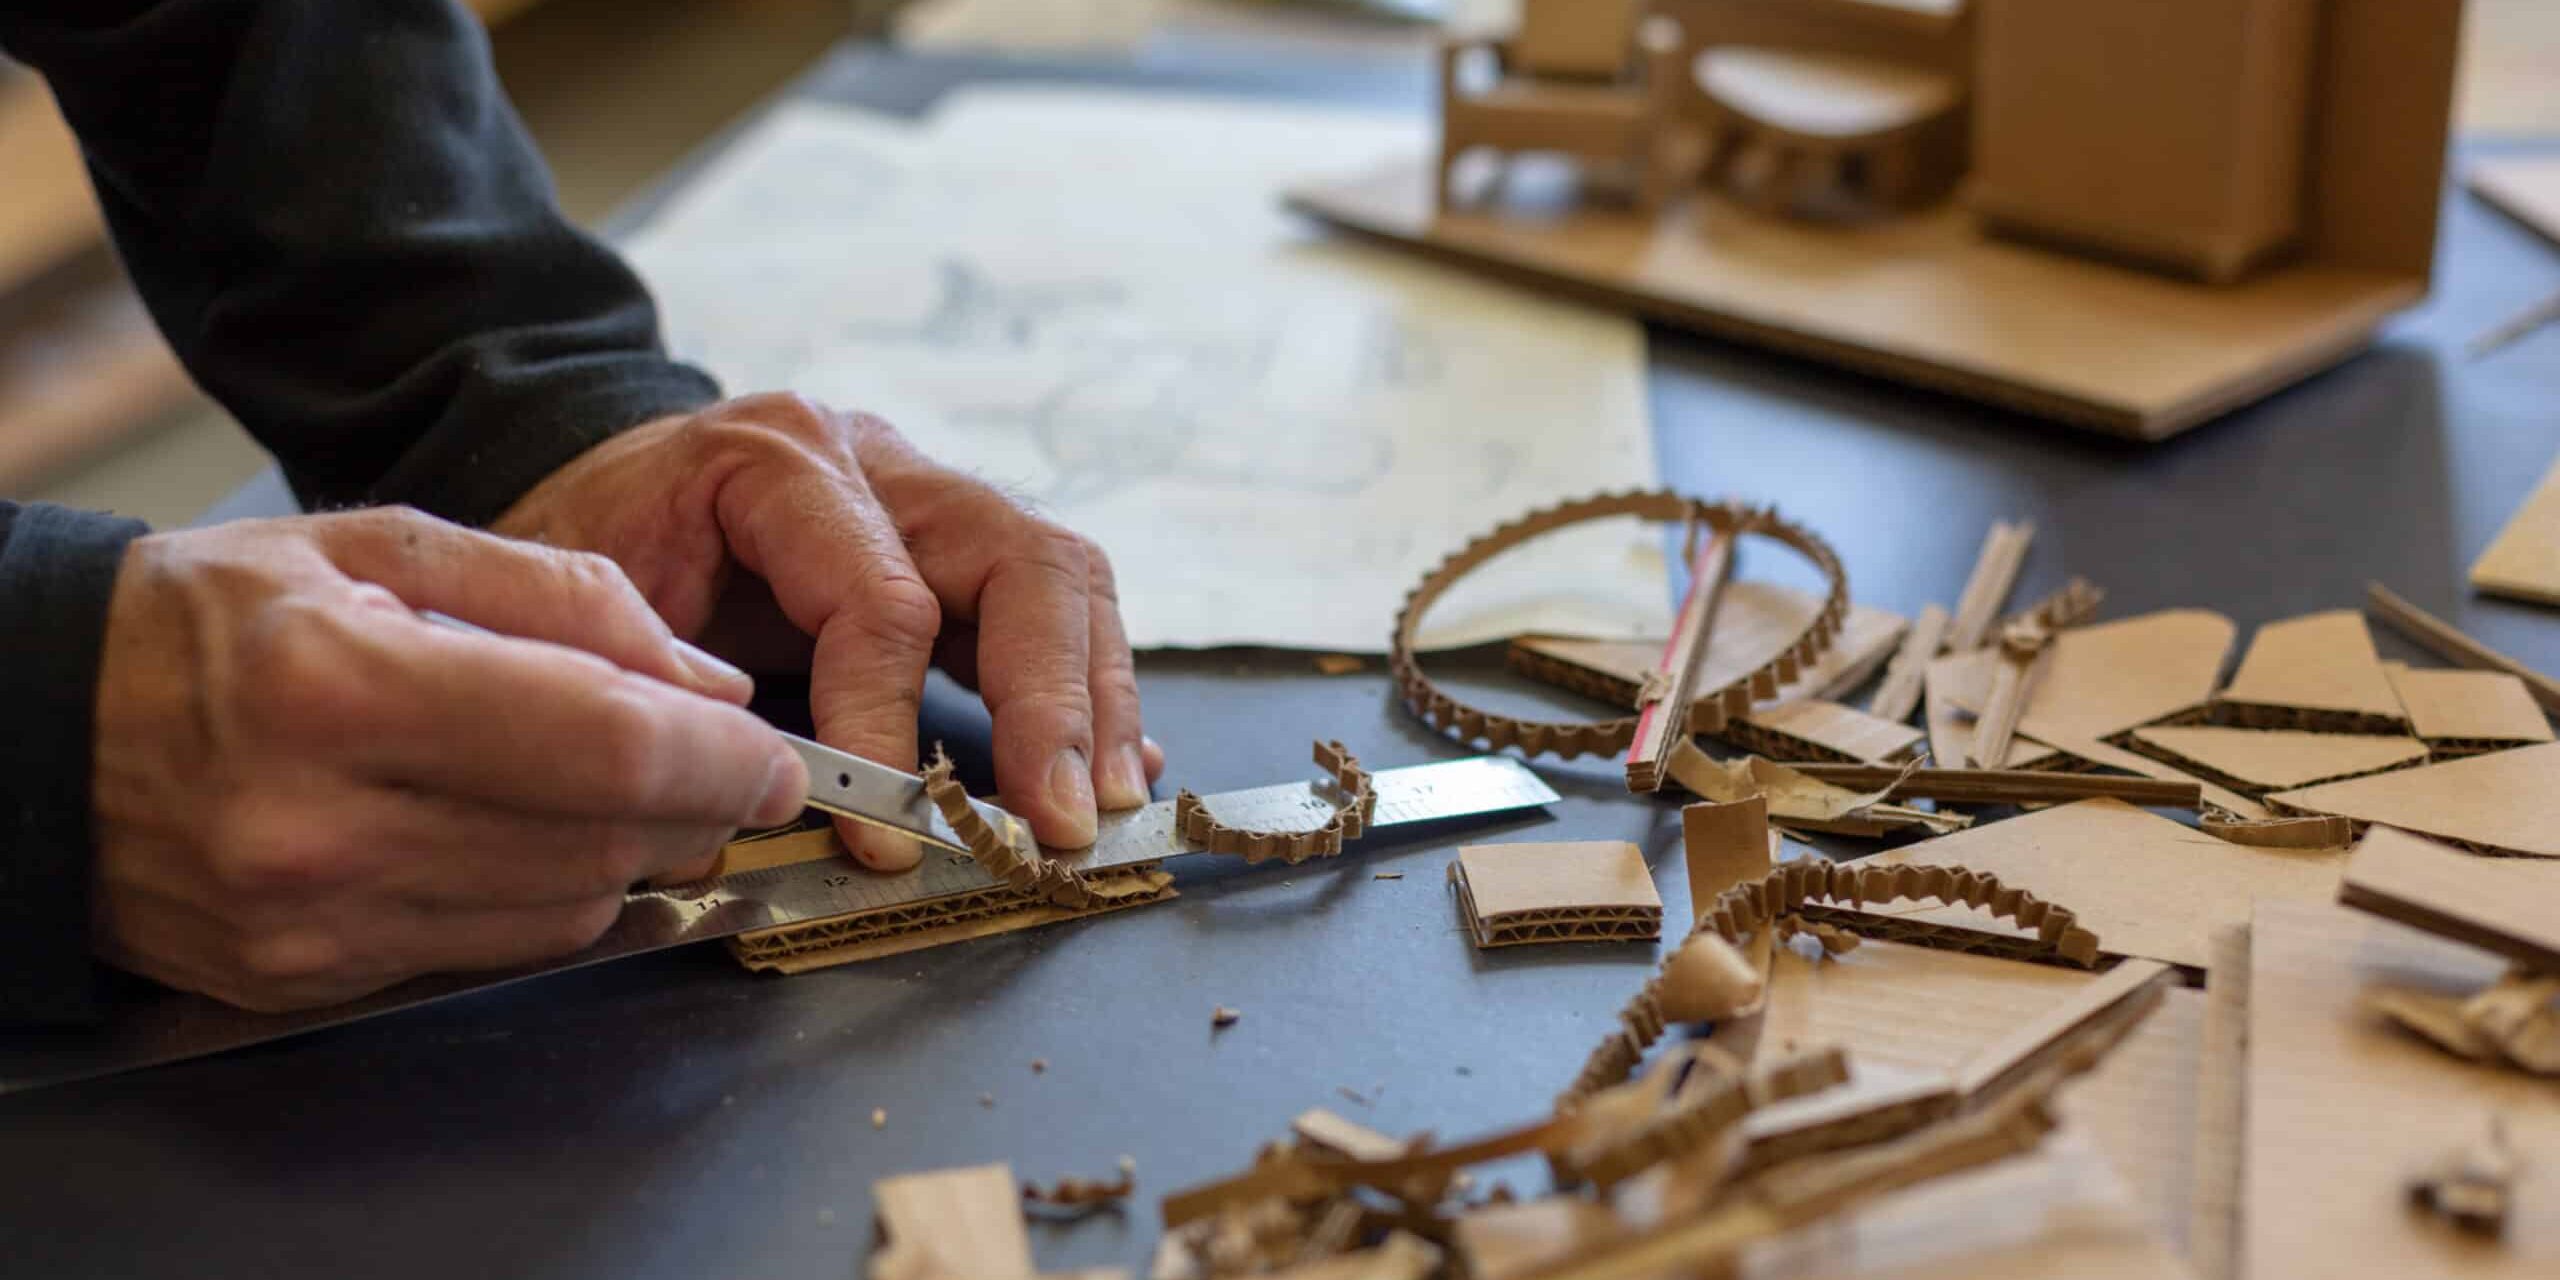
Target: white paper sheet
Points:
(1094, 299)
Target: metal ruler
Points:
(165, 1026)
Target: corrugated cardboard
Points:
(1816, 729)
(2104, 679)
(2213, 1230)
(2507, 905)
(2342, 1108)
(951, 1222)
(1754, 621)
(2524, 560)
(1556, 892)
(2458, 709)
(2145, 885)
(2502, 802)
(2318, 671)
(2170, 132)
(1932, 1011)
(1724, 845)
(2256, 761)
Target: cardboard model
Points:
(2346, 122)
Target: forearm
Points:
(339, 223)
(57, 576)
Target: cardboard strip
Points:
(1000, 909)
(1811, 729)
(1664, 719)
(1899, 695)
(1987, 588)
(2006, 786)
(2281, 833)
(2213, 1225)
(1724, 845)
(1755, 622)
(2444, 640)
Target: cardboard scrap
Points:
(2281, 833)
(2318, 671)
(1920, 1010)
(1817, 729)
(1725, 844)
(2502, 802)
(2256, 761)
(2510, 906)
(1798, 801)
(2145, 885)
(2447, 641)
(2459, 712)
(1986, 589)
(1899, 694)
(2101, 680)
(1576, 891)
(952, 1224)
(2213, 1221)
(2524, 560)
(2342, 1108)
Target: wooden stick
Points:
(1995, 573)
(2443, 639)
(1899, 695)
(1666, 718)
(2006, 786)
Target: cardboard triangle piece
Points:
(2507, 905)
(2502, 802)
(2145, 885)
(2462, 712)
(2524, 560)
(2318, 671)
(2256, 761)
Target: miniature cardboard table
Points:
(674, 1117)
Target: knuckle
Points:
(901, 610)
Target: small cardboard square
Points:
(2524, 560)
(2502, 802)
(2468, 709)
(2256, 761)
(1579, 891)
(2342, 1107)
(2318, 671)
(2145, 885)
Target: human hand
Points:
(305, 792)
(867, 562)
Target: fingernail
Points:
(710, 670)
(885, 850)
(786, 791)
(1071, 791)
(1122, 781)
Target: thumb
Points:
(522, 589)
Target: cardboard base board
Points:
(1924, 299)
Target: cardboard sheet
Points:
(2145, 885)
(2524, 560)
(2510, 906)
(2505, 801)
(1930, 1011)
(2322, 665)
(2342, 1108)
(1092, 298)
(2103, 679)
(2526, 187)
(2461, 707)
(1568, 891)
(2261, 760)
(1754, 620)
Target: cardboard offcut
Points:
(2510, 906)
(2466, 712)
(2344, 1108)
(1576, 891)
(2318, 671)
(2256, 761)
(2145, 885)
(2524, 560)
(2502, 802)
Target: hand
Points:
(890, 563)
(305, 792)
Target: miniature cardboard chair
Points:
(1591, 79)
